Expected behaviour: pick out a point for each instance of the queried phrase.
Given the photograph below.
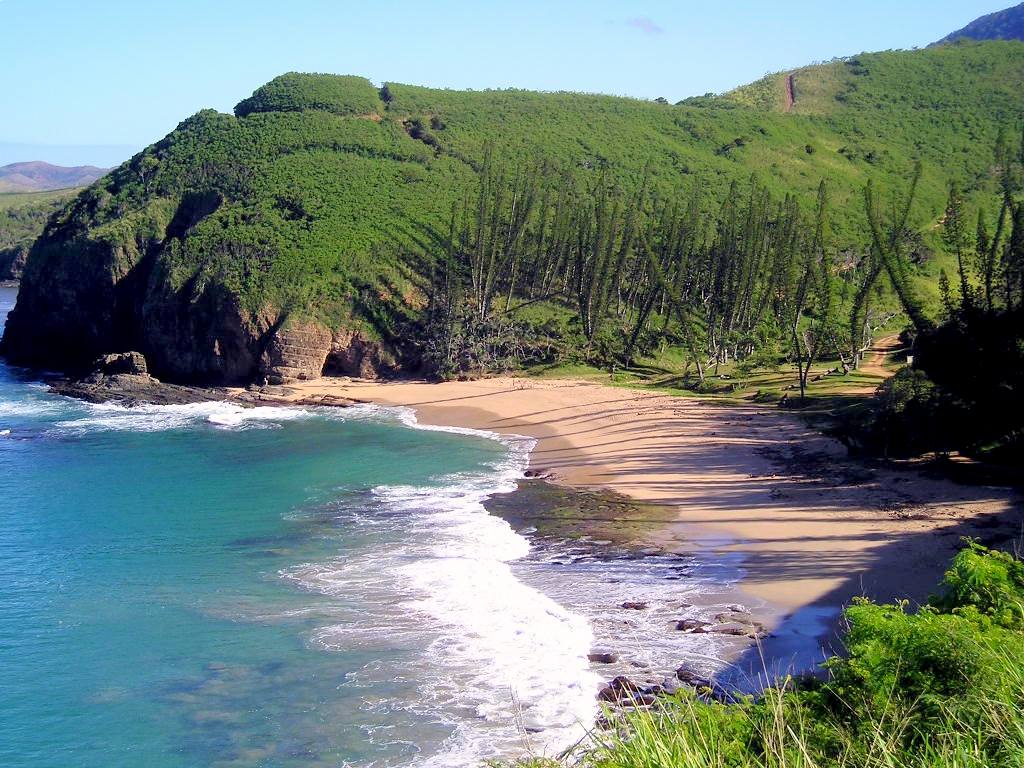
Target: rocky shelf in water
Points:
(124, 378)
(655, 608)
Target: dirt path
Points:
(879, 355)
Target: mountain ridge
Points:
(1007, 24)
(39, 176)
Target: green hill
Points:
(308, 228)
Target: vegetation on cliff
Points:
(332, 224)
(22, 218)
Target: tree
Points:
(888, 242)
(954, 234)
(809, 341)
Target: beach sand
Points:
(816, 529)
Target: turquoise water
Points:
(202, 585)
(207, 585)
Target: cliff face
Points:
(83, 296)
(12, 262)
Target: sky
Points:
(92, 81)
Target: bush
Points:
(296, 92)
(912, 416)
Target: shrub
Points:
(296, 92)
(912, 415)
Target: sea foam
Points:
(159, 418)
(496, 660)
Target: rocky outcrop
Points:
(131, 363)
(12, 262)
(199, 333)
(81, 298)
(353, 354)
(296, 352)
(124, 378)
(65, 315)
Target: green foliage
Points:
(991, 583)
(912, 416)
(297, 92)
(22, 218)
(962, 394)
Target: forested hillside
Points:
(329, 223)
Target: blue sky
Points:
(92, 80)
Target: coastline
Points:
(812, 528)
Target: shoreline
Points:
(811, 527)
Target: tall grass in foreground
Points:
(778, 732)
(939, 688)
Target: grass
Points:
(827, 387)
(23, 216)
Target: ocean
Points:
(212, 585)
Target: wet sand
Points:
(815, 528)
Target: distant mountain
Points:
(1001, 25)
(39, 176)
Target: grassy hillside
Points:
(327, 200)
(9, 200)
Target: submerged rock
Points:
(620, 690)
(688, 677)
(637, 605)
(602, 657)
(738, 629)
(732, 628)
(692, 625)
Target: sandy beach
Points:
(816, 528)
